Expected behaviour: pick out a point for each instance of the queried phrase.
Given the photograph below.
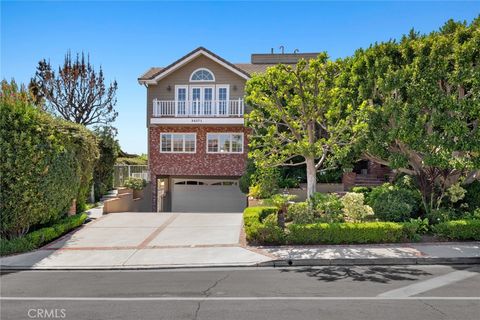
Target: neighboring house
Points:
(197, 141)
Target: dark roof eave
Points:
(153, 76)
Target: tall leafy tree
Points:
(298, 117)
(424, 100)
(77, 92)
(104, 167)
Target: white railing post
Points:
(195, 108)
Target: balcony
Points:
(197, 111)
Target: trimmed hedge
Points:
(45, 163)
(459, 229)
(339, 233)
(259, 229)
(252, 221)
(40, 237)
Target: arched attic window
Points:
(202, 74)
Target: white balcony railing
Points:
(198, 108)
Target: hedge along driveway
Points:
(41, 236)
(323, 233)
(146, 239)
(45, 164)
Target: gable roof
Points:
(153, 75)
(252, 68)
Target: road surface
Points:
(367, 292)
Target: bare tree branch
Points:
(77, 93)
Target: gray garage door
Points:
(207, 195)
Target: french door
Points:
(202, 100)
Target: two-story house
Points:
(197, 141)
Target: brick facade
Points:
(200, 163)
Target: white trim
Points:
(181, 86)
(202, 69)
(225, 133)
(200, 104)
(217, 93)
(220, 86)
(198, 120)
(171, 142)
(189, 58)
(186, 98)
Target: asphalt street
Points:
(368, 292)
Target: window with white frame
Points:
(224, 142)
(178, 142)
(202, 75)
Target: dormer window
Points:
(202, 75)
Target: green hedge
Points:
(459, 229)
(42, 236)
(104, 167)
(258, 231)
(44, 164)
(252, 220)
(339, 233)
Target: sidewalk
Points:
(381, 254)
(239, 256)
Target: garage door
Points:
(207, 195)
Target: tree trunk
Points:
(281, 216)
(426, 190)
(311, 177)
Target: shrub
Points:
(339, 233)
(269, 232)
(415, 227)
(392, 203)
(133, 160)
(247, 178)
(472, 197)
(266, 231)
(440, 215)
(456, 193)
(353, 207)
(327, 203)
(288, 182)
(264, 183)
(103, 171)
(135, 183)
(459, 229)
(327, 207)
(300, 213)
(364, 190)
(45, 163)
(253, 221)
(330, 176)
(42, 236)
(472, 215)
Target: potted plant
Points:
(137, 185)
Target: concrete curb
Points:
(368, 262)
(277, 264)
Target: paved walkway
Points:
(156, 240)
(145, 240)
(407, 253)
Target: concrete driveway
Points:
(146, 239)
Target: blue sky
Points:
(126, 38)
